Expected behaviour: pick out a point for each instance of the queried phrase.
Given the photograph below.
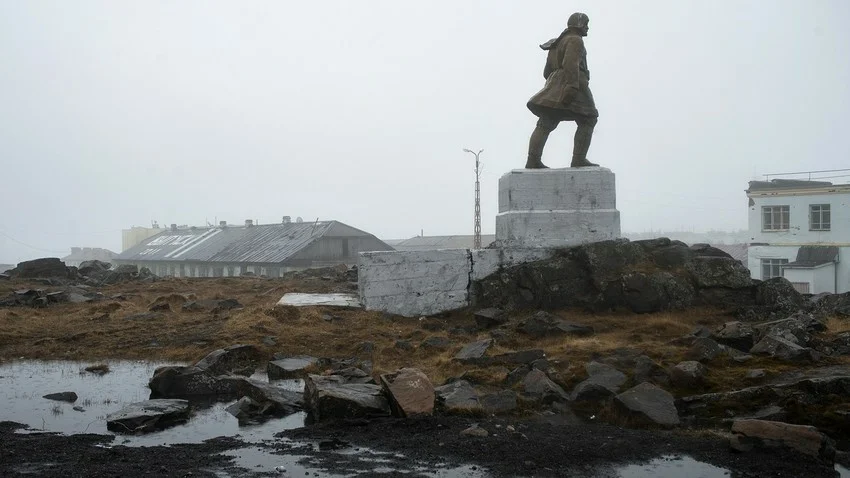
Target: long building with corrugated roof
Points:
(267, 250)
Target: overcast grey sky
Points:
(116, 113)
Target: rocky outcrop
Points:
(216, 374)
(48, 267)
(148, 416)
(735, 334)
(236, 359)
(642, 276)
(750, 434)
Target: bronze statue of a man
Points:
(566, 95)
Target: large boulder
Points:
(778, 294)
(458, 398)
(490, 317)
(718, 271)
(749, 434)
(45, 268)
(147, 416)
(647, 404)
(646, 293)
(236, 359)
(538, 385)
(704, 350)
(328, 397)
(275, 400)
(603, 381)
(183, 382)
(298, 366)
(411, 393)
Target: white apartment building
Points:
(800, 230)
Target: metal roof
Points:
(786, 184)
(268, 243)
(813, 256)
(426, 243)
(737, 251)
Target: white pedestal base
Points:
(556, 207)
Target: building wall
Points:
(820, 279)
(135, 235)
(798, 231)
(840, 274)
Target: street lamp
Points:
(477, 237)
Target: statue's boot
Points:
(535, 147)
(581, 143)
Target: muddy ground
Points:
(541, 443)
(538, 447)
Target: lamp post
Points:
(477, 235)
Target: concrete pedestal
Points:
(556, 207)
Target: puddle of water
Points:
(672, 467)
(23, 383)
(257, 460)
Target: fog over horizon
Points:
(116, 114)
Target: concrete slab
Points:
(337, 300)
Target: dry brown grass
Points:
(99, 331)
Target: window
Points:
(819, 219)
(771, 268)
(775, 218)
(801, 287)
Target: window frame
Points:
(822, 210)
(783, 212)
(772, 262)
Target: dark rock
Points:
(458, 397)
(706, 250)
(648, 404)
(148, 416)
(544, 324)
(410, 391)
(93, 268)
(274, 400)
(688, 374)
(327, 397)
(755, 374)
(796, 328)
(62, 396)
(646, 293)
(174, 382)
(703, 350)
(603, 382)
(736, 334)
(750, 434)
(499, 402)
(541, 364)
(718, 271)
(99, 369)
(298, 366)
(403, 345)
(246, 409)
(701, 332)
(48, 267)
(737, 355)
(647, 370)
(537, 384)
(778, 294)
(491, 317)
(516, 375)
(475, 431)
(784, 349)
(438, 343)
(238, 359)
(516, 358)
(474, 350)
(354, 375)
(57, 297)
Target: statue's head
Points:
(578, 22)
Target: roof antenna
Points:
(315, 225)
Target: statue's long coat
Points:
(566, 95)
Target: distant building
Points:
(135, 235)
(268, 250)
(81, 254)
(800, 230)
(429, 243)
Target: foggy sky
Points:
(113, 114)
